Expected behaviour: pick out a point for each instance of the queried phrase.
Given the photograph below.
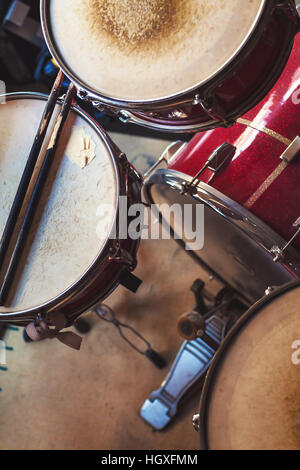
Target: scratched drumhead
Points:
(69, 230)
(254, 402)
(143, 50)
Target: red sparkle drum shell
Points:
(239, 88)
(255, 177)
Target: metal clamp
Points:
(214, 163)
(280, 252)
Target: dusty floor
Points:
(56, 398)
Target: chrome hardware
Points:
(197, 100)
(269, 290)
(279, 252)
(196, 422)
(119, 254)
(97, 105)
(82, 94)
(178, 114)
(292, 151)
(124, 116)
(220, 157)
(214, 163)
(214, 109)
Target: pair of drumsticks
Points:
(38, 186)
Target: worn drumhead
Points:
(68, 233)
(253, 400)
(140, 50)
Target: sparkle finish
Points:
(256, 177)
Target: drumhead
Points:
(143, 50)
(68, 231)
(251, 396)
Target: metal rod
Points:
(29, 168)
(35, 196)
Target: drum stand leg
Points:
(192, 360)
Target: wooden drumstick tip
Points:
(191, 325)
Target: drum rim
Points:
(241, 218)
(95, 95)
(222, 351)
(80, 282)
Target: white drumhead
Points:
(67, 229)
(255, 401)
(141, 50)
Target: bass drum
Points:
(244, 178)
(250, 400)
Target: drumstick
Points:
(29, 168)
(35, 196)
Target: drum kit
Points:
(231, 76)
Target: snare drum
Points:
(172, 65)
(250, 399)
(71, 260)
(248, 178)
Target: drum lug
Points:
(196, 422)
(280, 252)
(123, 116)
(82, 94)
(197, 100)
(214, 163)
(117, 253)
(213, 108)
(109, 110)
(269, 290)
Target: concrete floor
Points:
(56, 398)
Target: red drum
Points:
(187, 88)
(248, 174)
(257, 176)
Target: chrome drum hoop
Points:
(128, 183)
